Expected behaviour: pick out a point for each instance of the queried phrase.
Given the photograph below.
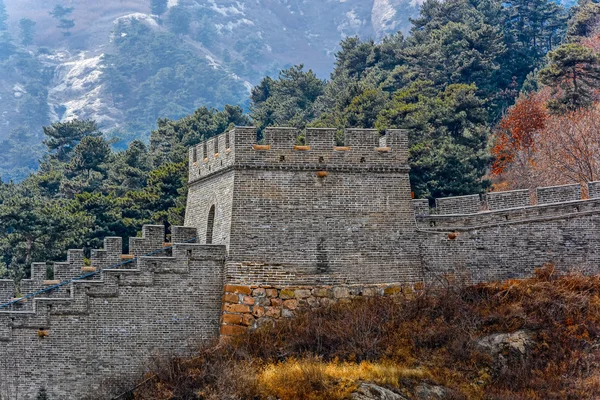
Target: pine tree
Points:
(573, 74)
(64, 136)
(531, 29)
(158, 7)
(448, 133)
(60, 13)
(584, 20)
(27, 27)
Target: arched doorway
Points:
(210, 225)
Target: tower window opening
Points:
(210, 225)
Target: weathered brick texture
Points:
(421, 206)
(283, 223)
(511, 243)
(509, 199)
(101, 331)
(558, 194)
(594, 190)
(294, 226)
(458, 205)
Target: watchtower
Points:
(311, 214)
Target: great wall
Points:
(272, 228)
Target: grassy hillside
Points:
(528, 339)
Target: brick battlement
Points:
(362, 149)
(509, 216)
(500, 201)
(278, 226)
(106, 327)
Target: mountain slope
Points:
(196, 53)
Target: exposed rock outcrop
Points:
(368, 391)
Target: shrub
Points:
(402, 342)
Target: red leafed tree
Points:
(514, 140)
(534, 149)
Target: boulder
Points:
(368, 391)
(517, 342)
(431, 392)
(506, 349)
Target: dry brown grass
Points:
(400, 343)
(314, 379)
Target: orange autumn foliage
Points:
(516, 130)
(533, 148)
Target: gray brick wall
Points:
(286, 223)
(509, 244)
(458, 205)
(421, 206)
(217, 191)
(558, 194)
(285, 215)
(594, 190)
(509, 199)
(107, 330)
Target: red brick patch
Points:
(238, 289)
(237, 308)
(230, 298)
(233, 319)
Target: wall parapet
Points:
(508, 199)
(421, 206)
(107, 259)
(362, 148)
(161, 304)
(469, 204)
(512, 216)
(558, 194)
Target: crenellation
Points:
(362, 140)
(470, 204)
(183, 234)
(109, 256)
(421, 206)
(268, 223)
(36, 282)
(64, 271)
(558, 194)
(508, 199)
(280, 149)
(321, 140)
(75, 256)
(281, 138)
(397, 141)
(7, 290)
(159, 306)
(153, 237)
(594, 190)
